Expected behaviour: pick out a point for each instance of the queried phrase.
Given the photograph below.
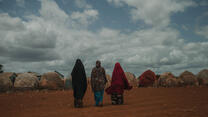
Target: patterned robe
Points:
(98, 79)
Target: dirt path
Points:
(139, 102)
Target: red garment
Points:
(147, 78)
(119, 81)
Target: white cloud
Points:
(203, 31)
(86, 17)
(154, 12)
(8, 23)
(50, 11)
(82, 4)
(164, 60)
(116, 2)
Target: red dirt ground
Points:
(139, 102)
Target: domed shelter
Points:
(5, 82)
(67, 83)
(51, 80)
(162, 81)
(202, 77)
(174, 82)
(108, 77)
(147, 79)
(131, 79)
(26, 81)
(36, 74)
(188, 78)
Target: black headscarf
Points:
(79, 80)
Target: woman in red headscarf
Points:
(119, 82)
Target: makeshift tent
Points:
(61, 75)
(5, 82)
(26, 81)
(162, 81)
(51, 80)
(147, 79)
(131, 79)
(174, 82)
(108, 77)
(36, 74)
(188, 78)
(202, 77)
(67, 83)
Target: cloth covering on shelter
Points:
(147, 78)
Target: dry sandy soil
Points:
(139, 102)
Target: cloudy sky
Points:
(48, 35)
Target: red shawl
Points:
(119, 81)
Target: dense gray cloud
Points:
(20, 42)
(55, 39)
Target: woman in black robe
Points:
(79, 83)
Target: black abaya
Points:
(79, 80)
